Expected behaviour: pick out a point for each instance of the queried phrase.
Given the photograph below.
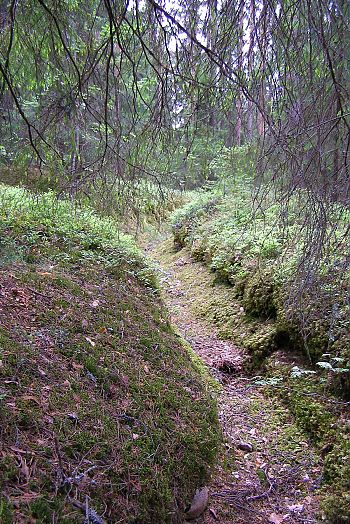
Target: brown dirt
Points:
(275, 483)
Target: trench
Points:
(267, 471)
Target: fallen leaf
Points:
(31, 397)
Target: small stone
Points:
(245, 446)
(198, 505)
(73, 416)
(296, 508)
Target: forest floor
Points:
(267, 472)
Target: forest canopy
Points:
(97, 88)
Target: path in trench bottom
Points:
(276, 482)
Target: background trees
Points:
(116, 91)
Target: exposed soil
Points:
(268, 471)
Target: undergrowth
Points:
(252, 250)
(325, 420)
(38, 227)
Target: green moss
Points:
(336, 508)
(8, 470)
(336, 495)
(319, 422)
(42, 509)
(312, 417)
(6, 514)
(261, 343)
(336, 505)
(147, 428)
(258, 296)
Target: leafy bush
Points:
(185, 219)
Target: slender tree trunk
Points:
(250, 107)
(239, 105)
(263, 44)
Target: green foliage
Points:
(39, 226)
(233, 167)
(6, 515)
(185, 219)
(247, 246)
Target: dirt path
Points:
(268, 472)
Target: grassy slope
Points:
(98, 397)
(248, 308)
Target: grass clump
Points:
(98, 398)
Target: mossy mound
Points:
(336, 505)
(258, 296)
(100, 402)
(258, 258)
(325, 420)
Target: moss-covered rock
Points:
(259, 295)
